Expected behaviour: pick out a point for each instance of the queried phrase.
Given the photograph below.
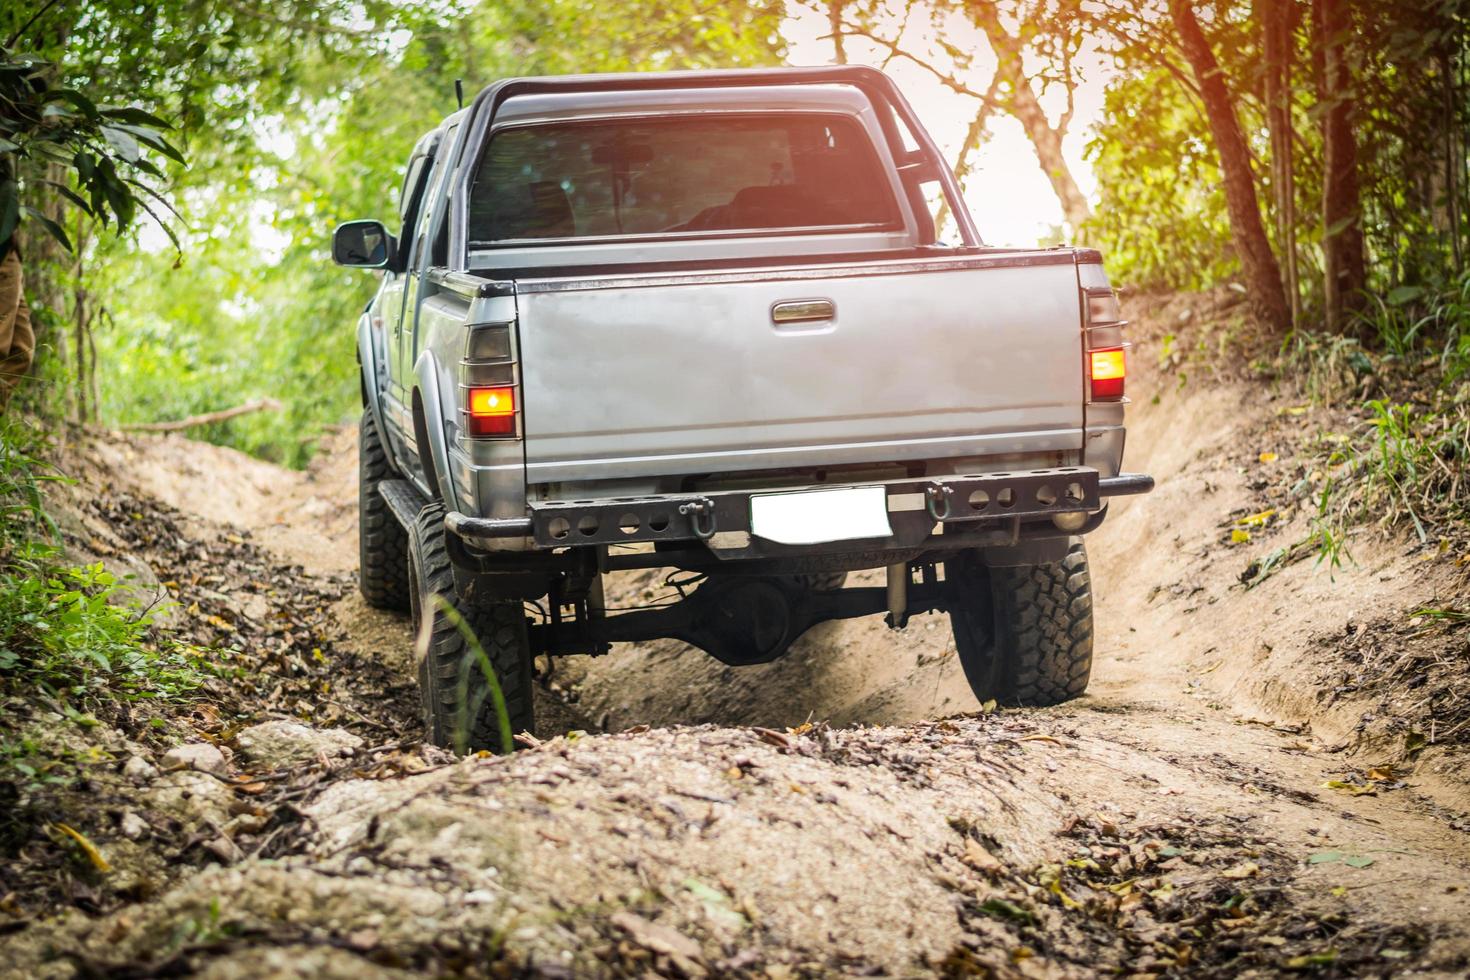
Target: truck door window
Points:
(433, 186)
(413, 188)
(778, 173)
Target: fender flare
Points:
(428, 410)
(367, 360)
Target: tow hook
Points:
(936, 500)
(701, 514)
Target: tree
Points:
(214, 68)
(341, 126)
(1278, 25)
(1010, 89)
(1345, 273)
(1258, 262)
(834, 23)
(58, 143)
(98, 151)
(1020, 100)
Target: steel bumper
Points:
(964, 506)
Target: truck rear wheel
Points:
(459, 710)
(1024, 635)
(382, 545)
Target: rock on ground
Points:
(196, 755)
(279, 743)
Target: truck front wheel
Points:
(1024, 635)
(382, 546)
(459, 710)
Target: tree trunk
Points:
(1022, 103)
(1451, 155)
(1344, 263)
(1258, 262)
(1278, 22)
(834, 18)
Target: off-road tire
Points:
(382, 545)
(1024, 635)
(459, 711)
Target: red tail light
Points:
(492, 411)
(489, 377)
(1108, 368)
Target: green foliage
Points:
(1161, 222)
(72, 637)
(226, 73)
(1406, 462)
(256, 309)
(62, 131)
(1413, 110)
(1329, 367)
(23, 514)
(1413, 460)
(64, 628)
(69, 632)
(1161, 216)
(1413, 325)
(210, 929)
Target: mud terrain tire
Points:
(459, 711)
(1024, 635)
(382, 545)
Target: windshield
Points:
(705, 174)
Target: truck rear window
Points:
(703, 175)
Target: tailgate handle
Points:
(803, 311)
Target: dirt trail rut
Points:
(1181, 819)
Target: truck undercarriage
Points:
(749, 604)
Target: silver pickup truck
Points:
(701, 321)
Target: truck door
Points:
(401, 341)
(390, 305)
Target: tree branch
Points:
(947, 80)
(10, 41)
(194, 421)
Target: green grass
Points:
(73, 638)
(1408, 373)
(1329, 367)
(23, 474)
(1443, 615)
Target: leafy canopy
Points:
(65, 133)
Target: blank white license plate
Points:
(815, 516)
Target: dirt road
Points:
(1214, 806)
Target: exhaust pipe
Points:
(898, 595)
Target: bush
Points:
(71, 636)
(1404, 464)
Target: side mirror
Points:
(363, 245)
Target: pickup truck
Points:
(702, 321)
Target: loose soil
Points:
(1266, 777)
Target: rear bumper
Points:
(963, 510)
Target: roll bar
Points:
(879, 88)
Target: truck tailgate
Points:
(672, 374)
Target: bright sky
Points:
(1010, 197)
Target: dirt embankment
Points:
(1226, 799)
